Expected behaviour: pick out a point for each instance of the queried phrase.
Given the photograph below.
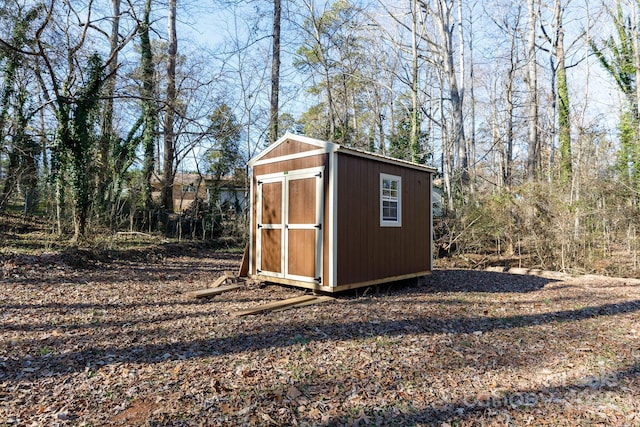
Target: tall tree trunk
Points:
(149, 110)
(9, 71)
(508, 160)
(636, 61)
(499, 156)
(472, 97)
(445, 48)
(80, 142)
(564, 118)
(380, 122)
(354, 116)
(414, 138)
(332, 136)
(169, 116)
(107, 137)
(533, 140)
(448, 157)
(458, 130)
(463, 149)
(332, 113)
(275, 73)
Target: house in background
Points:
(331, 218)
(187, 187)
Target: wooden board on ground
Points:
(275, 305)
(206, 293)
(318, 300)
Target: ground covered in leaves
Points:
(116, 341)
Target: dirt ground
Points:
(119, 342)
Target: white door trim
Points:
(285, 178)
(259, 225)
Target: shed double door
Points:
(289, 225)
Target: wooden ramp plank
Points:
(274, 305)
(226, 276)
(243, 271)
(219, 281)
(318, 300)
(205, 293)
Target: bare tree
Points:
(170, 111)
(633, 4)
(533, 137)
(503, 96)
(275, 72)
(316, 50)
(415, 84)
(107, 137)
(440, 51)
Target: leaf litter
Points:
(119, 342)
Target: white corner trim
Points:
(294, 156)
(251, 205)
(431, 222)
(333, 220)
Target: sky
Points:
(204, 27)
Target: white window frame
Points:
(390, 198)
(188, 188)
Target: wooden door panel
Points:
(302, 233)
(272, 202)
(302, 201)
(302, 252)
(271, 250)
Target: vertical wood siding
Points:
(367, 251)
(289, 147)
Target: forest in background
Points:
(529, 109)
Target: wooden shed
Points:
(331, 218)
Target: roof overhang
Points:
(330, 147)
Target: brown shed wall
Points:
(367, 251)
(291, 165)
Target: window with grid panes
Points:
(390, 200)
